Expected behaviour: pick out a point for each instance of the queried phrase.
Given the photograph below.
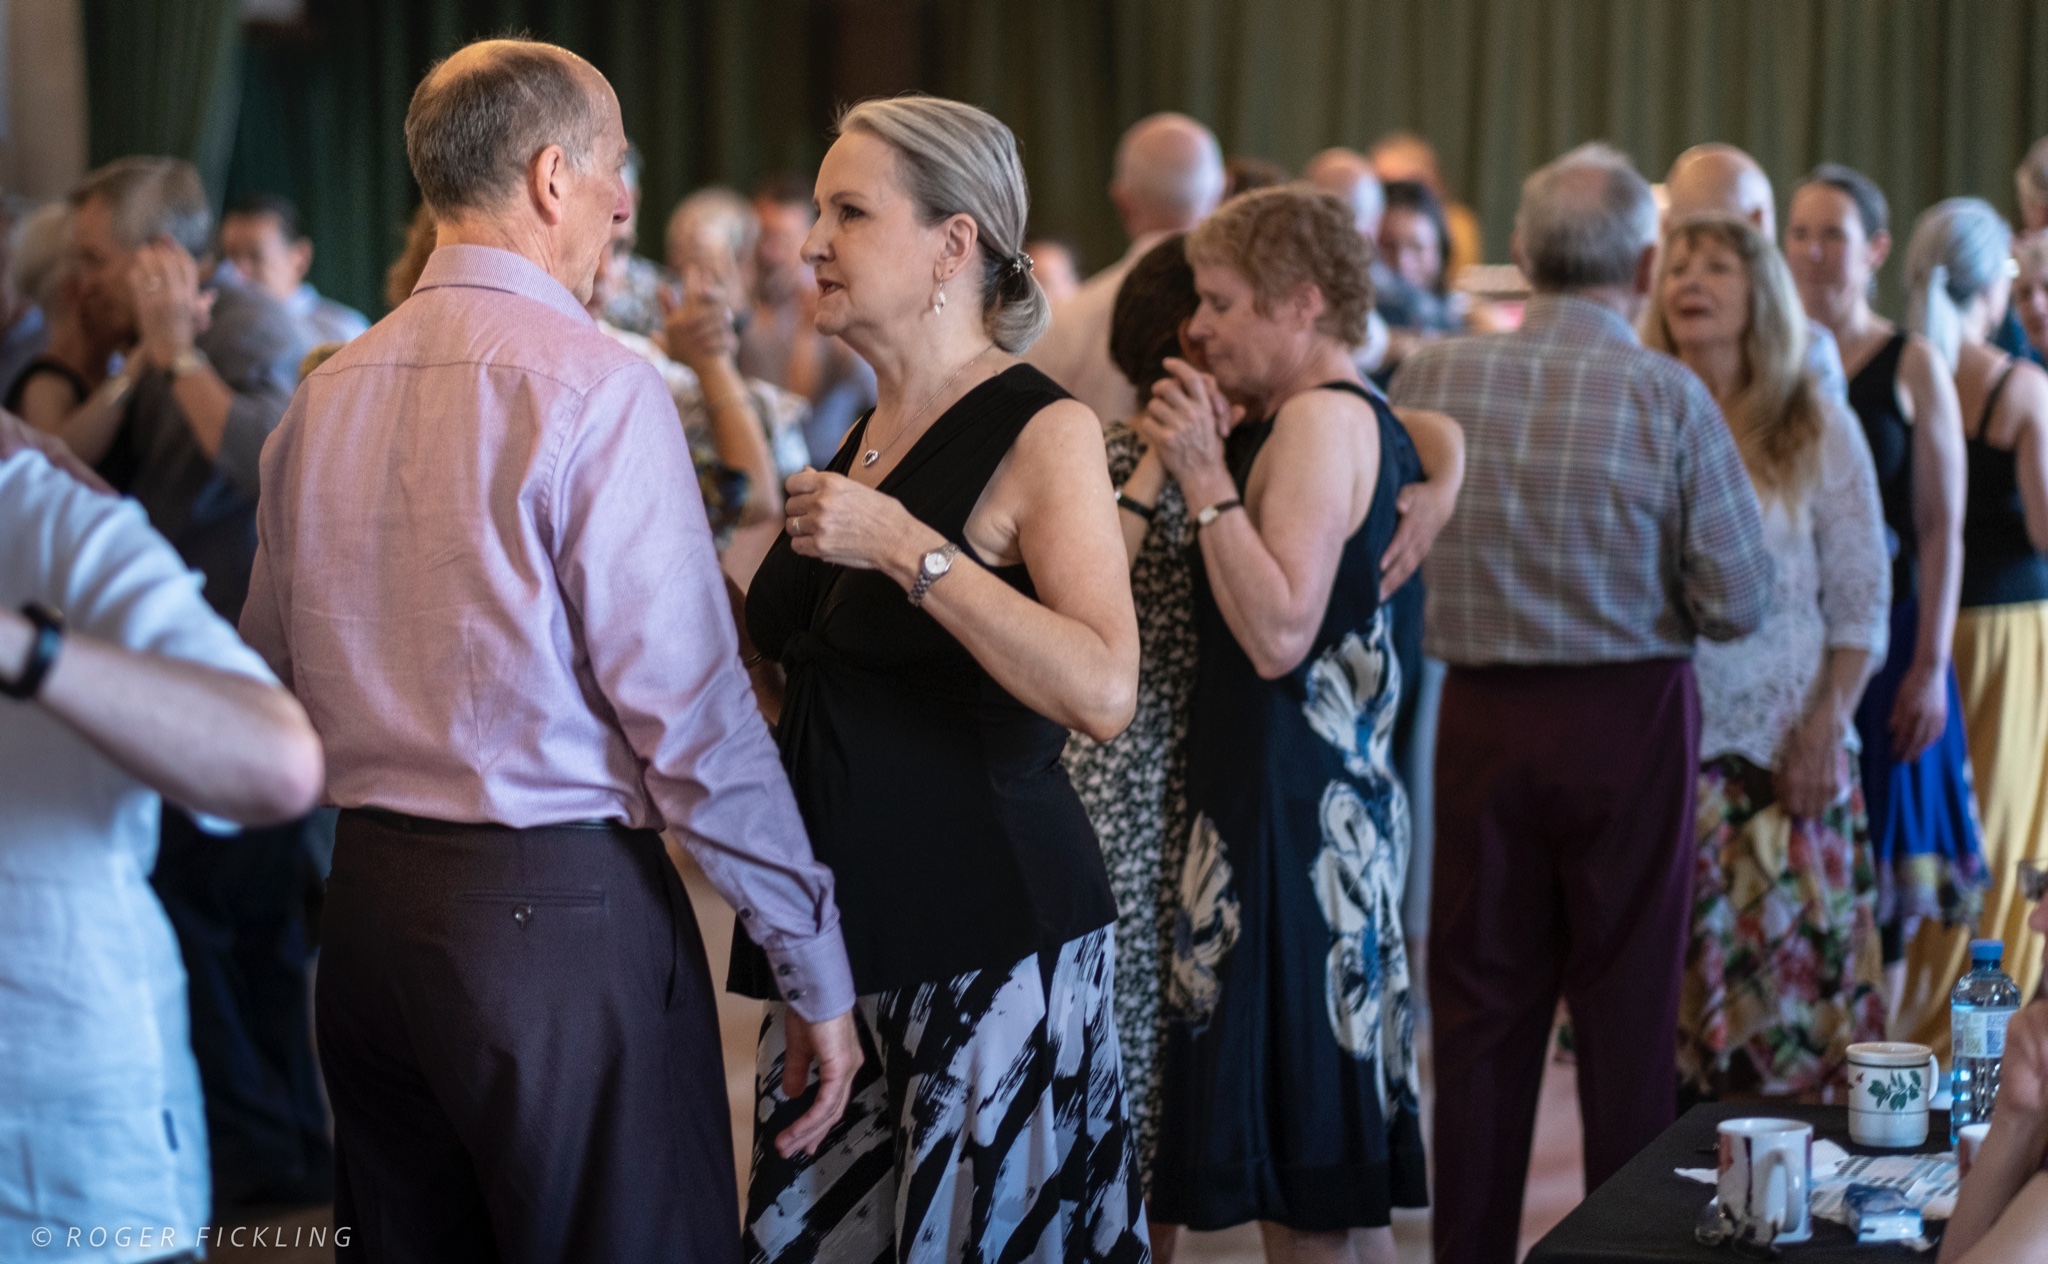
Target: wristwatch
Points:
(42, 652)
(1215, 511)
(190, 360)
(931, 569)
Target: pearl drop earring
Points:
(939, 303)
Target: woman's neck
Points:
(911, 366)
(1719, 365)
(1320, 363)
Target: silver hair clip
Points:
(1020, 262)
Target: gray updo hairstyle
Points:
(958, 160)
(1959, 247)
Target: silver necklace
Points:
(873, 455)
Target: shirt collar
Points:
(1570, 317)
(489, 268)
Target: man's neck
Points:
(530, 242)
(1622, 300)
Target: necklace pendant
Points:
(870, 458)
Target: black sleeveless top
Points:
(80, 388)
(937, 799)
(2000, 566)
(1874, 394)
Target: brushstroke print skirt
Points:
(987, 1124)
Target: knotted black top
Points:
(935, 796)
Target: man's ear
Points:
(1646, 271)
(547, 181)
(302, 256)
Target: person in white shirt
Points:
(1169, 176)
(1721, 179)
(136, 692)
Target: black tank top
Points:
(2000, 566)
(937, 799)
(80, 388)
(1874, 394)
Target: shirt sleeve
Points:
(1849, 541)
(636, 563)
(262, 621)
(1724, 567)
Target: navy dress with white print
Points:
(1289, 1062)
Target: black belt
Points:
(387, 819)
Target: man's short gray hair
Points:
(473, 128)
(151, 198)
(1585, 220)
(718, 213)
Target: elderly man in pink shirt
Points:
(485, 569)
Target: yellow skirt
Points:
(2002, 667)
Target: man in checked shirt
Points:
(1606, 521)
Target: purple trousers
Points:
(520, 1042)
(1564, 857)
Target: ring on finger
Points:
(796, 525)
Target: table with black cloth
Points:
(1647, 1211)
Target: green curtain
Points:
(161, 78)
(1930, 97)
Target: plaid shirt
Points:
(1606, 515)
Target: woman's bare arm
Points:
(1072, 655)
(1938, 481)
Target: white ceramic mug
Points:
(1969, 1140)
(1890, 1086)
(1766, 1178)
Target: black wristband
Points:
(42, 652)
(1138, 507)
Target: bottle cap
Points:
(1987, 950)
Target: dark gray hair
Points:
(1872, 211)
(1958, 250)
(1585, 220)
(958, 160)
(471, 131)
(151, 198)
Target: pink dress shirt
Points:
(484, 567)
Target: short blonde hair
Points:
(1776, 415)
(1290, 235)
(958, 160)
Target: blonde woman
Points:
(950, 596)
(1784, 969)
(1957, 266)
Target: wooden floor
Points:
(1555, 1185)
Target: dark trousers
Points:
(238, 906)
(1564, 862)
(519, 1038)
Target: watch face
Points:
(937, 562)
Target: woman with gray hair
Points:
(1959, 265)
(948, 598)
(73, 363)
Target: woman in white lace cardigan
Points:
(1784, 969)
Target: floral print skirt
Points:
(1784, 971)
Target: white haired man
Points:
(1169, 176)
(510, 629)
(1606, 522)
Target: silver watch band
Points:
(927, 575)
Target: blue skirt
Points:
(1924, 834)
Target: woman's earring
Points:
(939, 302)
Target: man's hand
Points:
(170, 310)
(699, 330)
(1424, 509)
(834, 1046)
(16, 434)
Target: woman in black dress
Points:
(1289, 1060)
(949, 597)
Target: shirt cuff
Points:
(813, 974)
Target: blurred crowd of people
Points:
(1118, 705)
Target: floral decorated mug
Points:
(1890, 1085)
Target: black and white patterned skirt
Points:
(987, 1124)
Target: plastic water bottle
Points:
(1983, 1001)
